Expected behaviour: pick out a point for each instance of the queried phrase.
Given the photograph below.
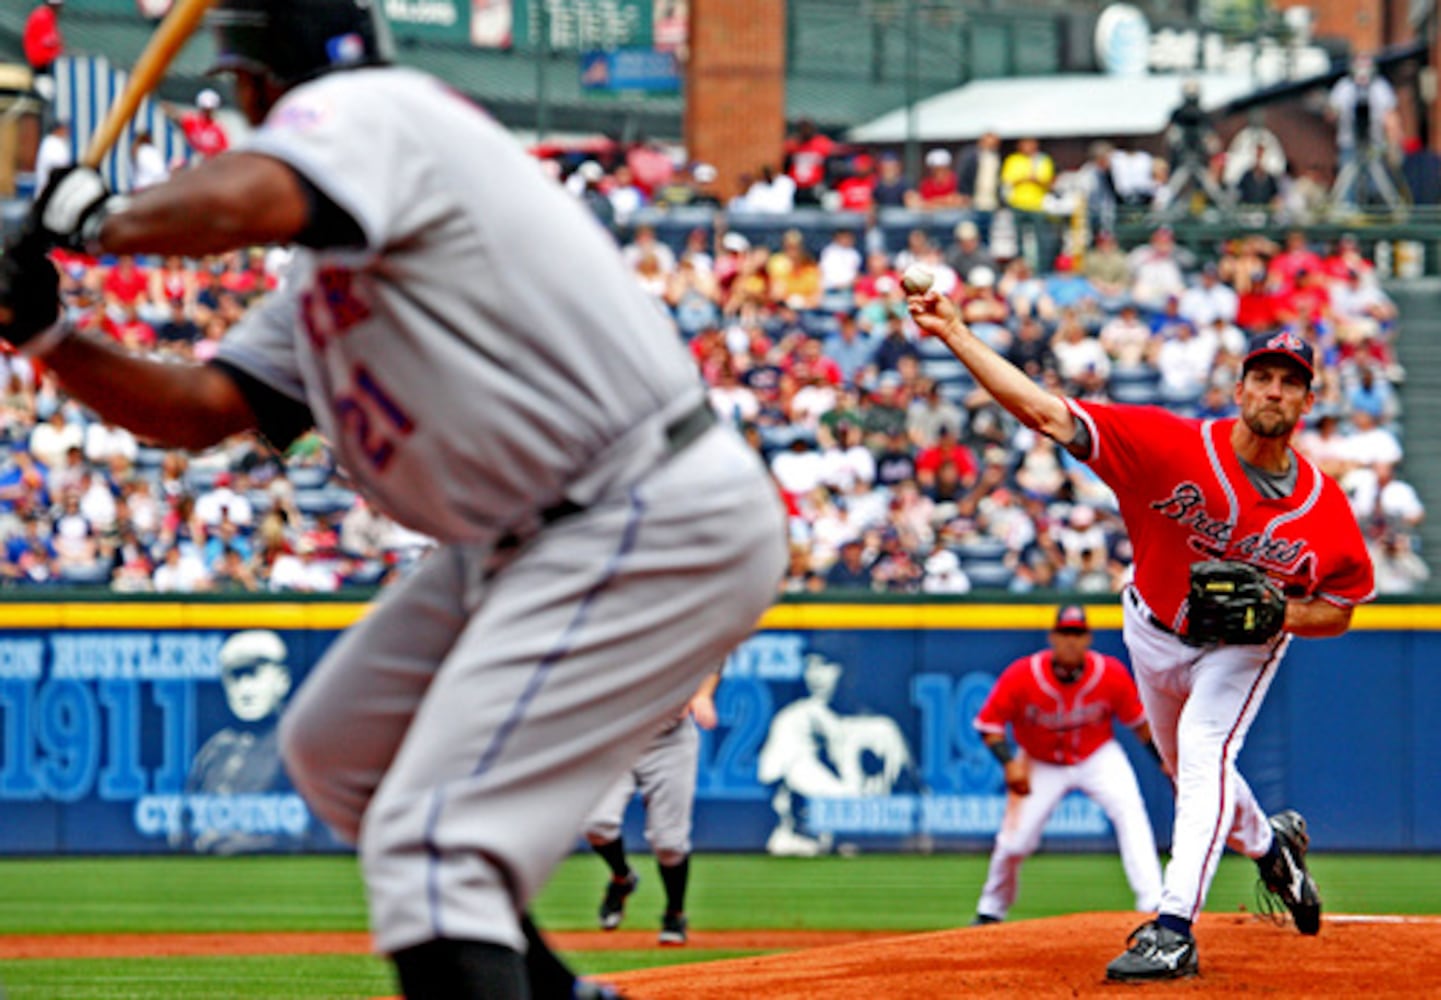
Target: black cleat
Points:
(673, 929)
(1154, 952)
(612, 907)
(984, 919)
(1287, 877)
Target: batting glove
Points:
(72, 208)
(30, 297)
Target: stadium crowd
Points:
(899, 474)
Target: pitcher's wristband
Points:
(1002, 752)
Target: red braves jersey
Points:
(1061, 723)
(1185, 498)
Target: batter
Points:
(469, 341)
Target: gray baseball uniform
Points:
(665, 776)
(490, 374)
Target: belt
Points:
(680, 434)
(1155, 622)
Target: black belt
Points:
(680, 434)
(1136, 599)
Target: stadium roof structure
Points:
(1076, 105)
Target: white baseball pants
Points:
(1200, 703)
(1106, 777)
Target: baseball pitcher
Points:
(1206, 641)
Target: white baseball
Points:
(917, 280)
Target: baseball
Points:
(917, 280)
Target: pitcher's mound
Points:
(1067, 956)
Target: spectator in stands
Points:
(938, 186)
(770, 193)
(1077, 353)
(1098, 184)
(978, 180)
(1399, 570)
(1258, 187)
(850, 347)
(1108, 270)
(892, 190)
(43, 44)
(968, 252)
(946, 449)
(1184, 361)
(147, 163)
(55, 152)
(1363, 107)
(853, 570)
(303, 571)
(180, 571)
(857, 186)
(984, 310)
(1024, 293)
(626, 196)
(795, 278)
(1372, 395)
(1421, 168)
(930, 412)
(1026, 176)
(222, 502)
(202, 128)
(943, 574)
(806, 154)
(1156, 271)
(1031, 349)
(840, 262)
(1208, 299)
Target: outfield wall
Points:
(121, 733)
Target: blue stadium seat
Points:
(85, 576)
(981, 550)
(989, 576)
(325, 501)
(1135, 385)
(308, 477)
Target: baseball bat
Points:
(160, 51)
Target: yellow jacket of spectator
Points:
(1026, 179)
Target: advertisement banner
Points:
(144, 741)
(629, 70)
(150, 727)
(430, 20)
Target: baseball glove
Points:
(1232, 602)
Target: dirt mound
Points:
(1067, 956)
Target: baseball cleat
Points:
(984, 919)
(612, 907)
(1154, 952)
(672, 929)
(1287, 876)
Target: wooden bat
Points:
(174, 31)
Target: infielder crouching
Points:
(1060, 703)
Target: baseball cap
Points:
(207, 99)
(1071, 618)
(938, 158)
(735, 242)
(1286, 344)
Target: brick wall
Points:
(735, 86)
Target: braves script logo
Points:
(1187, 505)
(1211, 536)
(1063, 720)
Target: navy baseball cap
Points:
(1071, 618)
(1286, 344)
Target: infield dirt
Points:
(1067, 956)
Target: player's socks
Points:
(549, 976)
(445, 969)
(613, 854)
(1172, 922)
(674, 878)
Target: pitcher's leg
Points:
(1227, 690)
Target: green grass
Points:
(871, 892)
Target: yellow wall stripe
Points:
(868, 617)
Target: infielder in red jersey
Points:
(1060, 703)
(1192, 491)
